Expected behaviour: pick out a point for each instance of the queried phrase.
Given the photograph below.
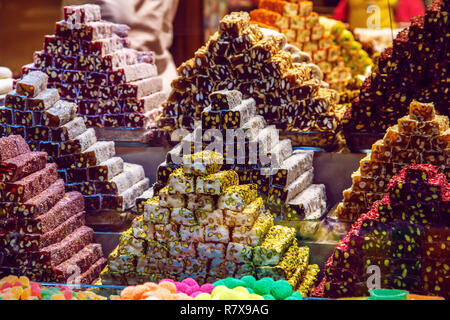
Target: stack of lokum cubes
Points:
(405, 237)
(86, 165)
(355, 57)
(88, 61)
(416, 67)
(350, 93)
(205, 225)
(251, 148)
(42, 229)
(297, 21)
(420, 137)
(240, 57)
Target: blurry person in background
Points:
(151, 23)
(244, 5)
(356, 12)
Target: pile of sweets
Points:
(355, 57)
(14, 288)
(283, 177)
(406, 235)
(420, 137)
(42, 229)
(6, 81)
(191, 287)
(297, 21)
(224, 293)
(270, 289)
(416, 67)
(351, 92)
(205, 225)
(239, 56)
(165, 290)
(89, 62)
(87, 165)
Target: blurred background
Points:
(23, 23)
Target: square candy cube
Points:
(182, 249)
(217, 183)
(215, 217)
(239, 253)
(217, 233)
(192, 233)
(168, 200)
(142, 229)
(181, 183)
(211, 250)
(200, 202)
(167, 232)
(154, 212)
(157, 249)
(145, 264)
(183, 216)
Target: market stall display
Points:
(420, 137)
(21, 288)
(42, 229)
(330, 46)
(283, 177)
(405, 235)
(205, 225)
(241, 57)
(109, 186)
(416, 67)
(88, 61)
(355, 57)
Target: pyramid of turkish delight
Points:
(355, 57)
(415, 68)
(302, 28)
(42, 229)
(283, 177)
(288, 92)
(418, 138)
(89, 63)
(86, 165)
(205, 225)
(405, 235)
